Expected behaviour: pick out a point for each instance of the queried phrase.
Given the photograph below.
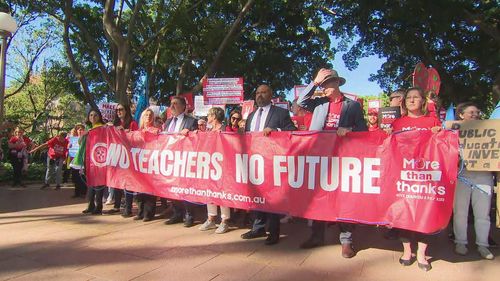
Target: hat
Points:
(334, 75)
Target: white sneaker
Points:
(207, 225)
(109, 202)
(485, 253)
(223, 228)
(461, 249)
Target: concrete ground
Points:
(44, 236)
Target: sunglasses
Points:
(391, 98)
(235, 118)
(120, 109)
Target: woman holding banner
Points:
(215, 119)
(472, 187)
(416, 118)
(146, 202)
(95, 193)
(123, 121)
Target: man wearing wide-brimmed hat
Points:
(332, 111)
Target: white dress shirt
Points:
(265, 112)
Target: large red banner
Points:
(405, 180)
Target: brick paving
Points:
(44, 236)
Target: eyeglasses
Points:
(120, 109)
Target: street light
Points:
(7, 26)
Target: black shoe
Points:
(126, 215)
(87, 211)
(272, 239)
(311, 243)
(95, 212)
(44, 186)
(75, 196)
(137, 218)
(173, 220)
(253, 234)
(22, 185)
(146, 219)
(112, 211)
(58, 187)
(425, 267)
(406, 262)
(188, 222)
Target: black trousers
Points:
(80, 185)
(17, 166)
(272, 220)
(147, 205)
(129, 197)
(94, 198)
(183, 209)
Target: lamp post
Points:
(7, 26)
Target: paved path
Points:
(44, 236)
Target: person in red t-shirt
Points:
(416, 118)
(122, 121)
(18, 145)
(234, 118)
(373, 120)
(58, 149)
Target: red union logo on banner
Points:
(405, 180)
(99, 154)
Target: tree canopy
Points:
(116, 49)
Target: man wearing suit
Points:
(332, 111)
(267, 118)
(180, 123)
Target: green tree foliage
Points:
(46, 105)
(173, 44)
(458, 38)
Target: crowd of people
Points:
(328, 110)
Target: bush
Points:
(36, 172)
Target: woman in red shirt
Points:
(122, 121)
(416, 118)
(18, 153)
(146, 203)
(234, 118)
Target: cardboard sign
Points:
(247, 108)
(387, 115)
(374, 104)
(108, 110)
(282, 104)
(223, 90)
(200, 108)
(297, 90)
(73, 146)
(480, 143)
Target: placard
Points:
(223, 90)
(387, 115)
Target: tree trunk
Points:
(220, 51)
